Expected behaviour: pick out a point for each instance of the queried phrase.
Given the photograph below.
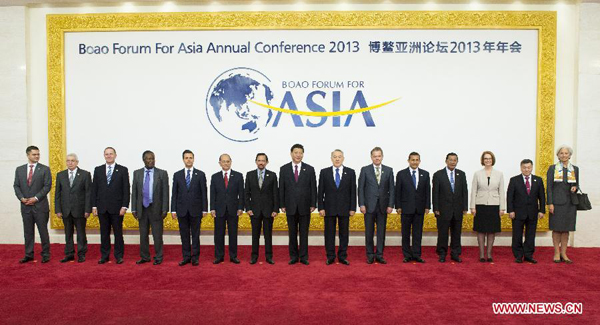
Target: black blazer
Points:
(297, 197)
(77, 199)
(337, 201)
(409, 199)
(110, 198)
(40, 186)
(446, 202)
(228, 199)
(262, 201)
(522, 204)
(194, 200)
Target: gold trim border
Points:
(542, 21)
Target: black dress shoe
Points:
(67, 258)
(253, 261)
(369, 260)
(419, 260)
(345, 262)
(218, 260)
(45, 259)
(195, 263)
(293, 261)
(330, 261)
(184, 262)
(102, 261)
(157, 262)
(456, 259)
(406, 260)
(142, 261)
(81, 259)
(305, 262)
(270, 261)
(25, 260)
(380, 260)
(442, 259)
(119, 260)
(482, 260)
(519, 260)
(530, 260)
(490, 260)
(234, 260)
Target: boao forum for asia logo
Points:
(239, 104)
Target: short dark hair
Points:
(186, 151)
(297, 146)
(451, 154)
(376, 149)
(526, 161)
(146, 152)
(414, 153)
(113, 149)
(31, 148)
(261, 154)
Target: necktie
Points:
(226, 180)
(261, 179)
(109, 175)
(527, 185)
(377, 174)
(146, 190)
(337, 177)
(452, 180)
(414, 178)
(296, 173)
(188, 179)
(71, 177)
(30, 176)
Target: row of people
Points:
(297, 195)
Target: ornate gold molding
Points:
(542, 21)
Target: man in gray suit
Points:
(150, 205)
(376, 200)
(73, 203)
(32, 184)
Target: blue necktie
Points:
(337, 177)
(414, 177)
(188, 179)
(109, 175)
(146, 190)
(452, 180)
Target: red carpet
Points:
(396, 293)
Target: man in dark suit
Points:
(226, 206)
(262, 205)
(376, 201)
(32, 184)
(413, 200)
(73, 203)
(150, 205)
(189, 203)
(526, 201)
(110, 199)
(450, 203)
(298, 199)
(337, 203)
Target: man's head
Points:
(225, 161)
(261, 160)
(414, 160)
(377, 156)
(337, 158)
(451, 160)
(188, 158)
(526, 167)
(72, 161)
(110, 154)
(148, 158)
(33, 154)
(297, 153)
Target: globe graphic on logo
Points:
(229, 108)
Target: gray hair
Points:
(74, 156)
(337, 150)
(564, 146)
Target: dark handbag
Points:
(582, 201)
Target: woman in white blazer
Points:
(488, 203)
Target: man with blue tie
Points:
(189, 203)
(413, 200)
(450, 203)
(150, 205)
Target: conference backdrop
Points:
(243, 83)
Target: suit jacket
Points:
(160, 193)
(523, 204)
(263, 200)
(559, 193)
(228, 199)
(110, 198)
(41, 183)
(444, 200)
(193, 200)
(409, 199)
(369, 191)
(301, 196)
(77, 199)
(337, 201)
(484, 194)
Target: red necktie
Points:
(226, 180)
(527, 185)
(296, 173)
(30, 176)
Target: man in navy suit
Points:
(226, 206)
(526, 201)
(110, 200)
(413, 200)
(298, 199)
(189, 203)
(337, 202)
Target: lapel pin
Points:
(195, 173)
(344, 173)
(535, 180)
(303, 169)
(421, 175)
(267, 175)
(116, 170)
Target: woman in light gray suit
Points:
(488, 203)
(563, 182)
